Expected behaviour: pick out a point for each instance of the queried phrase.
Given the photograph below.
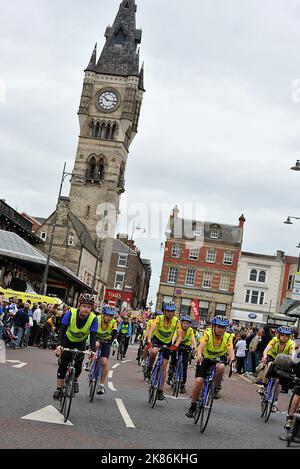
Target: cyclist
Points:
(282, 344)
(161, 333)
(188, 343)
(146, 332)
(215, 343)
(295, 404)
(76, 326)
(107, 332)
(125, 330)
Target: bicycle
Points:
(178, 372)
(140, 353)
(206, 398)
(121, 348)
(268, 398)
(156, 379)
(67, 395)
(145, 367)
(95, 373)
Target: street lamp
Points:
(46, 271)
(297, 166)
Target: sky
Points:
(220, 122)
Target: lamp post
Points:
(46, 271)
(297, 166)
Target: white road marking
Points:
(176, 398)
(110, 374)
(116, 366)
(127, 361)
(20, 364)
(111, 386)
(129, 423)
(48, 414)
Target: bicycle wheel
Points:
(62, 401)
(120, 351)
(264, 405)
(177, 382)
(140, 354)
(95, 374)
(206, 408)
(271, 399)
(69, 394)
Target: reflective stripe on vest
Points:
(105, 334)
(187, 340)
(163, 334)
(275, 349)
(210, 351)
(75, 334)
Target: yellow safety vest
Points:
(79, 335)
(210, 351)
(105, 334)
(275, 349)
(162, 333)
(187, 339)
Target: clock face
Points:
(108, 100)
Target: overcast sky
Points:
(220, 123)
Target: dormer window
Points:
(215, 234)
(120, 38)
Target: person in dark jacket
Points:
(20, 320)
(265, 339)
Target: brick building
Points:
(129, 276)
(200, 265)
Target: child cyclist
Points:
(188, 343)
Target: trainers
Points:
(191, 411)
(274, 407)
(160, 395)
(57, 394)
(169, 381)
(182, 389)
(217, 394)
(76, 387)
(261, 390)
(101, 390)
(288, 424)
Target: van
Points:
(33, 297)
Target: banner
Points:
(195, 309)
(296, 288)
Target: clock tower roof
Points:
(119, 55)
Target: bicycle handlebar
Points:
(75, 350)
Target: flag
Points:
(195, 309)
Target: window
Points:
(262, 276)
(120, 37)
(185, 307)
(224, 282)
(253, 275)
(290, 284)
(122, 262)
(194, 254)
(255, 297)
(215, 234)
(190, 278)
(119, 280)
(43, 235)
(221, 309)
(197, 230)
(207, 279)
(211, 256)
(204, 308)
(228, 258)
(176, 251)
(71, 240)
(172, 275)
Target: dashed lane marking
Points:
(116, 366)
(19, 365)
(176, 398)
(110, 374)
(111, 386)
(126, 417)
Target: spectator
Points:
(36, 318)
(20, 320)
(29, 325)
(241, 347)
(250, 363)
(48, 327)
(266, 337)
(41, 325)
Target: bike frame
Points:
(157, 365)
(207, 382)
(179, 367)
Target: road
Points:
(122, 418)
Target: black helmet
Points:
(86, 299)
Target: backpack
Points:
(254, 343)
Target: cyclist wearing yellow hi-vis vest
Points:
(160, 334)
(107, 332)
(125, 332)
(75, 328)
(147, 330)
(215, 343)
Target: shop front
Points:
(118, 299)
(246, 318)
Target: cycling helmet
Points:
(185, 318)
(285, 330)
(86, 299)
(108, 310)
(158, 313)
(169, 306)
(220, 321)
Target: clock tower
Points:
(109, 111)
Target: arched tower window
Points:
(97, 130)
(108, 130)
(92, 128)
(102, 132)
(101, 170)
(114, 131)
(91, 169)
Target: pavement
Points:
(122, 418)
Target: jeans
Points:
(1, 330)
(18, 331)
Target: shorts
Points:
(105, 350)
(202, 371)
(158, 343)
